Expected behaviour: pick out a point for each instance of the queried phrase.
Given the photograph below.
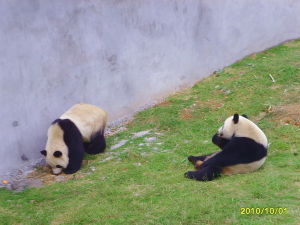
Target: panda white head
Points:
(56, 160)
(239, 126)
(56, 151)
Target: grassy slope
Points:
(144, 184)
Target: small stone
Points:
(107, 159)
(103, 178)
(150, 139)
(141, 133)
(119, 144)
(166, 150)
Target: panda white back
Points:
(244, 128)
(89, 119)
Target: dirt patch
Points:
(253, 56)
(296, 64)
(150, 119)
(114, 131)
(212, 105)
(235, 71)
(186, 114)
(45, 177)
(274, 87)
(42, 176)
(288, 114)
(266, 53)
(232, 78)
(295, 43)
(164, 104)
(221, 91)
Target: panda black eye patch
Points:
(58, 166)
(57, 154)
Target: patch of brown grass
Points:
(44, 175)
(186, 114)
(295, 43)
(212, 104)
(253, 56)
(164, 104)
(288, 114)
(268, 53)
(235, 71)
(277, 86)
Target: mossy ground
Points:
(142, 182)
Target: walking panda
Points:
(243, 149)
(80, 129)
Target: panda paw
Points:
(192, 159)
(190, 174)
(198, 164)
(199, 175)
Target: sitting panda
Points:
(78, 130)
(243, 149)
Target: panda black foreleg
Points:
(75, 160)
(96, 145)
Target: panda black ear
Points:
(57, 154)
(236, 118)
(43, 152)
(244, 115)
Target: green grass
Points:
(143, 183)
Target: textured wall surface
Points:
(117, 54)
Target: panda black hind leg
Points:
(194, 159)
(96, 145)
(210, 168)
(204, 174)
(198, 160)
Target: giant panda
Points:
(243, 149)
(80, 129)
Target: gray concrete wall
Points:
(117, 54)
